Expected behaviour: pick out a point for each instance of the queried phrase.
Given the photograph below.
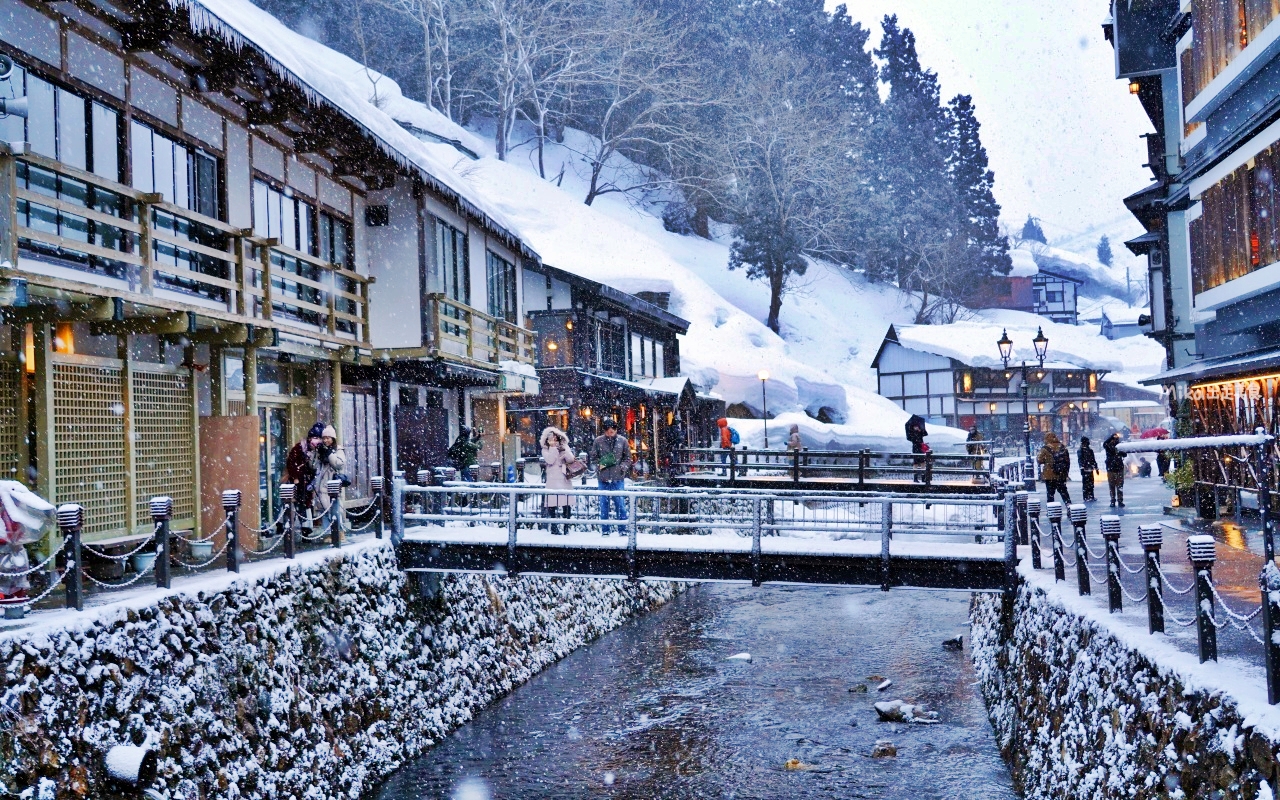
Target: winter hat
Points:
(1051, 439)
(1084, 440)
(610, 422)
(316, 431)
(330, 432)
(794, 429)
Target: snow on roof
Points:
(1122, 315)
(327, 76)
(973, 342)
(1024, 264)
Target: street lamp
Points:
(1041, 344)
(763, 375)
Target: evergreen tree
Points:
(986, 251)
(1104, 251)
(1032, 232)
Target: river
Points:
(657, 709)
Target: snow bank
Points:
(312, 681)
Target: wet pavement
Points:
(1239, 562)
(658, 709)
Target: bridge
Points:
(933, 541)
(835, 470)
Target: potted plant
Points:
(1182, 481)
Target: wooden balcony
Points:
(458, 332)
(75, 236)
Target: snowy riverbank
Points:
(313, 680)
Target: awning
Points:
(1240, 366)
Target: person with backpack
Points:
(1088, 465)
(611, 455)
(1115, 469)
(728, 440)
(1055, 463)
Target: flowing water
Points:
(657, 709)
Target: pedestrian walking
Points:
(1055, 466)
(916, 431)
(300, 470)
(611, 455)
(976, 448)
(727, 442)
(793, 440)
(1162, 461)
(464, 451)
(1088, 465)
(1115, 469)
(557, 459)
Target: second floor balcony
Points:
(74, 235)
(457, 332)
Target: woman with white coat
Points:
(556, 459)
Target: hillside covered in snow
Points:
(831, 324)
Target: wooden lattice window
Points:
(164, 441)
(10, 432)
(88, 422)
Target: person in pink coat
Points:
(556, 458)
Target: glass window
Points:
(206, 185)
(105, 124)
(283, 217)
(333, 236)
(140, 141)
(502, 287)
(452, 262)
(659, 362)
(637, 356)
(72, 130)
(42, 129)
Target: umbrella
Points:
(1154, 433)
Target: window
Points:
(501, 276)
(659, 360)
(611, 349)
(1053, 297)
(279, 215)
(335, 238)
(637, 356)
(64, 126)
(452, 262)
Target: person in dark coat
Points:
(1055, 462)
(1088, 465)
(464, 451)
(916, 431)
(300, 468)
(611, 455)
(1115, 469)
(976, 448)
(1162, 462)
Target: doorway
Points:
(274, 443)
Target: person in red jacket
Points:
(726, 441)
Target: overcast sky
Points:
(1060, 130)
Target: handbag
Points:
(575, 468)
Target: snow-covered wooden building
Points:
(209, 240)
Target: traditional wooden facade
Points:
(201, 255)
(605, 353)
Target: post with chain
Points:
(795, 466)
(71, 522)
(1079, 518)
(512, 510)
(397, 511)
(1270, 577)
(1033, 519)
(1201, 552)
(288, 493)
(733, 465)
(1111, 540)
(231, 504)
(375, 486)
(886, 533)
(161, 512)
(1055, 539)
(1152, 537)
(633, 529)
(334, 490)
(756, 528)
(1010, 595)
(1021, 498)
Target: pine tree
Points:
(987, 252)
(1104, 251)
(1032, 232)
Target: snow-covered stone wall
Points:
(1078, 713)
(312, 682)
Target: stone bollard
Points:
(1020, 498)
(1152, 537)
(161, 512)
(1054, 512)
(375, 486)
(1079, 516)
(1111, 537)
(334, 488)
(231, 504)
(1202, 553)
(288, 493)
(71, 522)
(1033, 530)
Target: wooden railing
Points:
(120, 242)
(458, 331)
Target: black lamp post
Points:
(1041, 344)
(763, 375)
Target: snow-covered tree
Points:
(1032, 232)
(1104, 251)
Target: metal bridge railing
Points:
(851, 466)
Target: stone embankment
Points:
(1082, 710)
(312, 681)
